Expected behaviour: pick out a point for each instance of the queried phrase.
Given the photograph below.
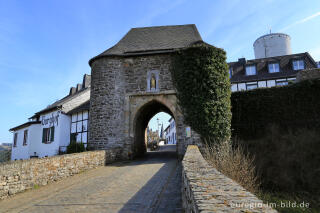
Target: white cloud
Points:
(315, 15)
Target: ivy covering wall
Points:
(200, 76)
(289, 107)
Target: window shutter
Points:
(52, 134)
(44, 133)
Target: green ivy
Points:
(200, 76)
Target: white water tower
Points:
(273, 44)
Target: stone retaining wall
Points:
(17, 176)
(204, 189)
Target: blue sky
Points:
(45, 45)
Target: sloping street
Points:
(149, 184)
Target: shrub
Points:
(201, 79)
(75, 147)
(290, 107)
(286, 160)
(234, 163)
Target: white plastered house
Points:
(48, 131)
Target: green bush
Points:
(290, 107)
(287, 161)
(75, 147)
(200, 76)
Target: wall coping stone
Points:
(205, 189)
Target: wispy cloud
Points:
(315, 15)
(159, 10)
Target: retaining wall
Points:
(17, 176)
(204, 189)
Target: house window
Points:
(79, 126)
(48, 135)
(298, 64)
(230, 72)
(25, 137)
(291, 80)
(281, 82)
(274, 67)
(251, 70)
(15, 138)
(252, 85)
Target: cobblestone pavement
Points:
(150, 184)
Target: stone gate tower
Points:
(131, 82)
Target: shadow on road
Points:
(162, 193)
(162, 155)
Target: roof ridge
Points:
(162, 26)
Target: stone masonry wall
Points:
(204, 189)
(115, 82)
(17, 176)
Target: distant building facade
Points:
(274, 64)
(170, 132)
(50, 130)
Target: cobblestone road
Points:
(151, 184)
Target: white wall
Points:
(61, 134)
(20, 152)
(34, 146)
(261, 84)
(171, 132)
(35, 132)
(270, 45)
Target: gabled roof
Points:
(58, 104)
(74, 92)
(285, 63)
(29, 123)
(82, 107)
(149, 40)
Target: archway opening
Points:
(154, 125)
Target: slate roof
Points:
(74, 92)
(285, 62)
(58, 104)
(24, 125)
(149, 40)
(82, 107)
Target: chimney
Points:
(72, 90)
(242, 61)
(86, 81)
(79, 87)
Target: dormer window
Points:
(251, 70)
(298, 64)
(274, 67)
(230, 72)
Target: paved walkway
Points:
(151, 184)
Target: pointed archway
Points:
(140, 123)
